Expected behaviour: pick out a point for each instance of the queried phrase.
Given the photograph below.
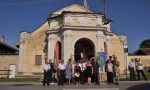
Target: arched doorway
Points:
(105, 47)
(58, 51)
(84, 48)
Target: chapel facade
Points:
(73, 32)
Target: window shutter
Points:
(38, 59)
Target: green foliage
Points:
(145, 44)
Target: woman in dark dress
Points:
(77, 73)
(89, 71)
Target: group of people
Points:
(81, 71)
(135, 65)
(77, 72)
(87, 71)
(112, 70)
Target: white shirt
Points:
(82, 66)
(62, 66)
(132, 64)
(110, 67)
(73, 65)
(140, 67)
(46, 67)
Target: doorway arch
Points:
(84, 49)
(58, 51)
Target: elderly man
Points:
(46, 68)
(62, 68)
(132, 69)
(116, 71)
(140, 70)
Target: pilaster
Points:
(23, 38)
(51, 47)
(100, 41)
(66, 46)
(109, 45)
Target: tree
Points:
(145, 43)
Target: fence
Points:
(5, 73)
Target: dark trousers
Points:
(132, 74)
(83, 77)
(142, 72)
(110, 77)
(96, 79)
(46, 78)
(61, 77)
(50, 75)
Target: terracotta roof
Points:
(4, 45)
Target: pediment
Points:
(73, 8)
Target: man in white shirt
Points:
(46, 68)
(61, 68)
(140, 70)
(132, 69)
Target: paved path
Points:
(127, 85)
(38, 86)
(95, 89)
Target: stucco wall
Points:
(144, 58)
(118, 50)
(6, 60)
(35, 45)
(78, 34)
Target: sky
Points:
(130, 17)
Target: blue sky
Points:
(131, 17)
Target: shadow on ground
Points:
(22, 85)
(140, 87)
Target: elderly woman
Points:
(68, 72)
(77, 70)
(109, 66)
